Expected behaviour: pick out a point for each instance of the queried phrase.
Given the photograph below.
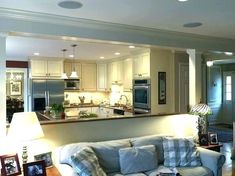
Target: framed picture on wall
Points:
(161, 87)
(15, 88)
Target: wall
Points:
(179, 58)
(162, 61)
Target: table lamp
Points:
(202, 110)
(25, 127)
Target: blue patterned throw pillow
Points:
(86, 163)
(180, 152)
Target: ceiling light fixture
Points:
(74, 73)
(131, 46)
(101, 57)
(209, 63)
(182, 0)
(117, 53)
(228, 53)
(70, 4)
(71, 55)
(64, 76)
(36, 54)
(192, 25)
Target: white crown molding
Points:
(147, 35)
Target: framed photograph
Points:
(203, 139)
(10, 165)
(36, 168)
(213, 138)
(15, 88)
(161, 87)
(46, 157)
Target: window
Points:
(228, 88)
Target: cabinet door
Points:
(127, 74)
(116, 72)
(141, 65)
(102, 77)
(88, 79)
(54, 68)
(69, 66)
(39, 68)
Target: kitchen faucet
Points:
(125, 98)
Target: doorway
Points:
(16, 91)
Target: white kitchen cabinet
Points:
(46, 68)
(88, 77)
(141, 65)
(102, 77)
(116, 72)
(70, 66)
(127, 74)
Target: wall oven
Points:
(141, 96)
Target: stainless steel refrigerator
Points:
(46, 92)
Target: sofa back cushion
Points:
(85, 162)
(107, 153)
(180, 152)
(155, 140)
(138, 159)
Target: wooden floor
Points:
(229, 165)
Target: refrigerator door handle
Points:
(45, 98)
(48, 98)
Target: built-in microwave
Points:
(71, 84)
(141, 96)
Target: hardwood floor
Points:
(229, 165)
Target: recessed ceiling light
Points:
(101, 57)
(36, 54)
(192, 25)
(117, 53)
(70, 4)
(131, 46)
(71, 55)
(228, 53)
(182, 0)
(209, 63)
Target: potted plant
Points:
(57, 110)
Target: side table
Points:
(52, 171)
(215, 147)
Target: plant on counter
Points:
(57, 109)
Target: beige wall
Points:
(162, 61)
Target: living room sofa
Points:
(110, 158)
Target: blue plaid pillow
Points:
(180, 152)
(86, 163)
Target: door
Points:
(183, 88)
(228, 97)
(55, 91)
(38, 95)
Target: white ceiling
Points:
(217, 17)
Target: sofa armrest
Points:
(212, 160)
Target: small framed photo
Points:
(203, 139)
(36, 168)
(213, 138)
(46, 157)
(10, 165)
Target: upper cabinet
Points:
(141, 65)
(127, 74)
(102, 77)
(70, 66)
(88, 77)
(115, 72)
(46, 68)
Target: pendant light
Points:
(64, 76)
(74, 73)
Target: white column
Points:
(2, 85)
(195, 88)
